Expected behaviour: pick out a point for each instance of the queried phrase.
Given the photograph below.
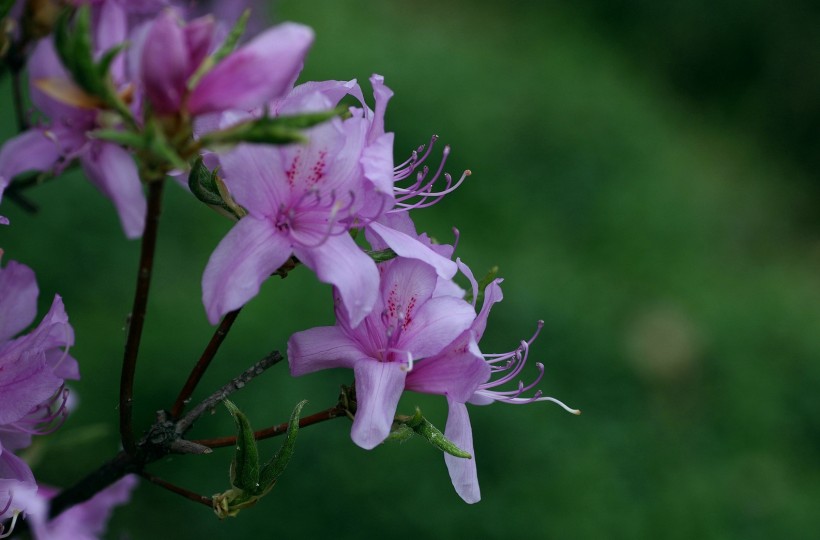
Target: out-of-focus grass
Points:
(662, 247)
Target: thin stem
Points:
(137, 319)
(203, 363)
(163, 438)
(173, 488)
(185, 423)
(328, 414)
(104, 476)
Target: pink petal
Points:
(90, 518)
(406, 246)
(18, 299)
(165, 64)
(254, 74)
(383, 95)
(492, 295)
(462, 471)
(406, 285)
(113, 171)
(377, 162)
(199, 35)
(32, 150)
(340, 262)
(456, 373)
(45, 64)
(378, 388)
(334, 91)
(25, 382)
(436, 324)
(248, 254)
(322, 348)
(254, 175)
(112, 30)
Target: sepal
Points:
(419, 425)
(76, 52)
(270, 129)
(208, 187)
(224, 50)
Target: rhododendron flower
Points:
(84, 521)
(407, 325)
(52, 146)
(169, 53)
(302, 200)
(462, 374)
(32, 370)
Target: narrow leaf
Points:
(123, 138)
(224, 50)
(423, 427)
(270, 130)
(202, 184)
(276, 466)
(245, 465)
(382, 255)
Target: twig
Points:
(173, 488)
(185, 423)
(328, 414)
(163, 437)
(203, 363)
(132, 343)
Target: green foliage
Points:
(270, 129)
(248, 482)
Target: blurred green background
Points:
(644, 175)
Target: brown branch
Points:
(137, 319)
(328, 414)
(173, 488)
(162, 438)
(185, 423)
(203, 363)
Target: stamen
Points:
(4, 534)
(513, 364)
(420, 193)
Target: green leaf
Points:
(276, 466)
(245, 465)
(402, 433)
(423, 427)
(202, 183)
(123, 138)
(382, 255)
(270, 130)
(224, 50)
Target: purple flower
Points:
(170, 53)
(32, 370)
(302, 200)
(463, 374)
(409, 323)
(65, 138)
(85, 521)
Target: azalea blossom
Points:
(85, 521)
(65, 137)
(169, 52)
(33, 368)
(302, 200)
(409, 323)
(462, 374)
